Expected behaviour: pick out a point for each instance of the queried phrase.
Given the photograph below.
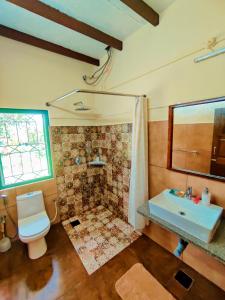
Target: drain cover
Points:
(75, 223)
(183, 279)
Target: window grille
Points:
(24, 147)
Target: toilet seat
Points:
(33, 227)
(33, 223)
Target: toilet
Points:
(33, 223)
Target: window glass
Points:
(24, 147)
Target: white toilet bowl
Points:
(33, 223)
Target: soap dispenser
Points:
(206, 197)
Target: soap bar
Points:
(181, 194)
(177, 193)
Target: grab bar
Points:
(188, 151)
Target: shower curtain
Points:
(139, 163)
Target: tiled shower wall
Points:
(81, 187)
(114, 146)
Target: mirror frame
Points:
(170, 138)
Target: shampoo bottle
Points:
(206, 197)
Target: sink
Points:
(198, 220)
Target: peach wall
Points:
(161, 178)
(158, 61)
(50, 195)
(30, 77)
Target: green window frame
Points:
(46, 149)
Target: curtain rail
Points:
(76, 91)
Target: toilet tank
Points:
(30, 204)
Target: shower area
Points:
(93, 199)
(82, 186)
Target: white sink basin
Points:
(198, 220)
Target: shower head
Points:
(80, 106)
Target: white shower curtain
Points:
(139, 163)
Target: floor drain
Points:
(75, 223)
(183, 279)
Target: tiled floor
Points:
(60, 274)
(99, 237)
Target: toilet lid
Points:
(33, 225)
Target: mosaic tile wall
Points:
(81, 187)
(114, 146)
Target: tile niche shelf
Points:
(97, 163)
(215, 248)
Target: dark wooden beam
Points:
(31, 40)
(56, 16)
(144, 10)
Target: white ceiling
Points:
(111, 16)
(159, 5)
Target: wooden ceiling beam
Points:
(144, 10)
(31, 40)
(56, 16)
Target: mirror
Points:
(197, 138)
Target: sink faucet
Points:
(188, 192)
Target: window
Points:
(24, 147)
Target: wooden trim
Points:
(193, 173)
(56, 16)
(144, 10)
(170, 138)
(31, 40)
(191, 103)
